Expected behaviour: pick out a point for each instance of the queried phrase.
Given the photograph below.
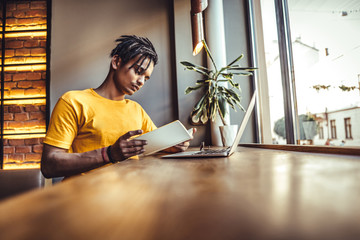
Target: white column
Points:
(215, 38)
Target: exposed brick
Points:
(6, 108)
(32, 108)
(40, 21)
(43, 43)
(11, 21)
(39, 84)
(32, 43)
(8, 77)
(33, 76)
(11, 6)
(14, 44)
(36, 13)
(23, 6)
(19, 76)
(17, 92)
(43, 75)
(6, 142)
(16, 142)
(43, 108)
(19, 14)
(13, 125)
(6, 93)
(42, 140)
(31, 123)
(9, 149)
(16, 157)
(22, 52)
(43, 92)
(15, 109)
(8, 116)
(32, 92)
(33, 157)
(25, 21)
(21, 117)
(38, 5)
(9, 52)
(38, 51)
(37, 148)
(23, 149)
(32, 141)
(9, 85)
(9, 14)
(37, 115)
(24, 84)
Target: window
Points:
(333, 129)
(24, 74)
(311, 51)
(348, 134)
(321, 131)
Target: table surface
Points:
(254, 194)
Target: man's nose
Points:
(141, 80)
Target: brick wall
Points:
(21, 119)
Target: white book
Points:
(165, 136)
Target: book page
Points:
(165, 137)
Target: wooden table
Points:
(254, 194)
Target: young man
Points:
(92, 127)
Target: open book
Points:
(164, 137)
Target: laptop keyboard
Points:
(212, 151)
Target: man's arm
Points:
(57, 162)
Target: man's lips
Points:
(135, 88)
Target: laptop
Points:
(222, 152)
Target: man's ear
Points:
(115, 62)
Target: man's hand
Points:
(124, 148)
(181, 147)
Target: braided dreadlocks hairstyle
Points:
(130, 46)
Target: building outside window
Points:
(325, 40)
(348, 134)
(321, 131)
(333, 129)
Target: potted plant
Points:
(216, 94)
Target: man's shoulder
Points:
(77, 95)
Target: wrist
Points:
(108, 151)
(104, 155)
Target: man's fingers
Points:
(132, 143)
(130, 134)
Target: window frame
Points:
(257, 40)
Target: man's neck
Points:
(108, 90)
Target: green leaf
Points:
(190, 89)
(209, 54)
(228, 76)
(237, 59)
(233, 94)
(196, 68)
(242, 68)
(200, 103)
(222, 106)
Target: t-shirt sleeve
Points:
(147, 124)
(63, 125)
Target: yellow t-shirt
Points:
(83, 121)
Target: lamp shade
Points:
(197, 27)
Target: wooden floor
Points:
(254, 194)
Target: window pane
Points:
(326, 47)
(276, 100)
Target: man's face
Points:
(129, 80)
